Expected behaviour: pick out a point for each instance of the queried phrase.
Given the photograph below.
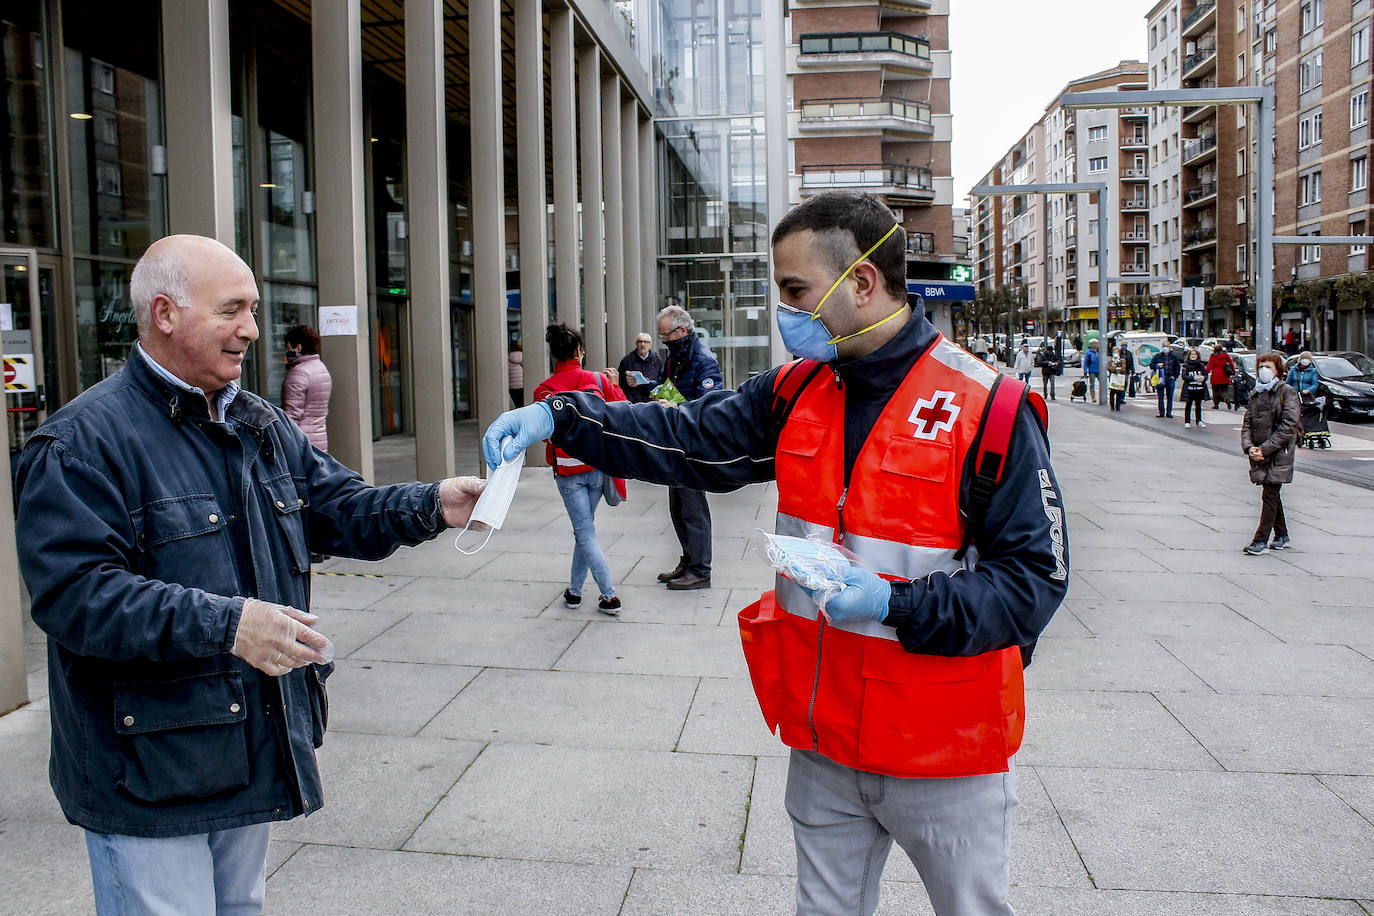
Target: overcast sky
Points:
(1011, 58)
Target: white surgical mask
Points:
(1305, 363)
(1266, 374)
(495, 500)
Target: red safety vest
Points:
(850, 691)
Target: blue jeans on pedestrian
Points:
(222, 872)
(1025, 377)
(581, 493)
(1165, 392)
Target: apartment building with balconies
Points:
(1049, 243)
(1166, 195)
(986, 242)
(869, 93)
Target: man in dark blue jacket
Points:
(166, 521)
(696, 373)
(1001, 594)
(1166, 363)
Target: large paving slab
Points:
(502, 641)
(583, 805)
(1094, 728)
(391, 698)
(569, 708)
(1286, 835)
(44, 868)
(327, 879)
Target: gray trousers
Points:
(957, 832)
(691, 515)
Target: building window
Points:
(1097, 164)
(1240, 210)
(1271, 41)
(1097, 134)
(1310, 72)
(1309, 254)
(1240, 162)
(1359, 109)
(1240, 67)
(1359, 45)
(1310, 188)
(1092, 228)
(1310, 130)
(1240, 258)
(1359, 173)
(1240, 18)
(1357, 228)
(1311, 15)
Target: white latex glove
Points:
(275, 638)
(457, 496)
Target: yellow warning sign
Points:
(19, 373)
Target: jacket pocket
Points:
(319, 701)
(181, 534)
(185, 738)
(287, 506)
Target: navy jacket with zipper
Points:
(142, 524)
(727, 439)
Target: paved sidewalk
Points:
(1200, 738)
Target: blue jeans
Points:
(1165, 392)
(581, 493)
(222, 872)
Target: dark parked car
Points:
(1346, 378)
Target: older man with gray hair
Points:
(695, 372)
(166, 522)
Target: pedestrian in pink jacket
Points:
(305, 390)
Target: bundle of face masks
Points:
(668, 392)
(816, 565)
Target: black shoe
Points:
(1279, 543)
(689, 580)
(1255, 549)
(609, 606)
(570, 599)
(673, 573)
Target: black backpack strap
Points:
(788, 386)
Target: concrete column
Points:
(534, 247)
(634, 247)
(341, 224)
(563, 101)
(613, 192)
(593, 245)
(200, 167)
(13, 666)
(648, 221)
(488, 212)
(431, 340)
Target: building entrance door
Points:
(21, 329)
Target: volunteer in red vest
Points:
(903, 702)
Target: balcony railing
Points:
(865, 43)
(1201, 192)
(1198, 146)
(1135, 235)
(1140, 112)
(1134, 174)
(1200, 236)
(1198, 57)
(1203, 279)
(1201, 10)
(1140, 203)
(1138, 141)
(1135, 270)
(868, 175)
(921, 243)
(858, 109)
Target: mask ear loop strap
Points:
(815, 316)
(476, 549)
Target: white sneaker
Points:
(1201, 425)
(1187, 426)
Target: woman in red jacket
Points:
(579, 484)
(1220, 369)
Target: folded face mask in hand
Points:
(815, 565)
(495, 500)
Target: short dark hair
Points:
(848, 223)
(305, 337)
(563, 341)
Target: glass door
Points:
(21, 330)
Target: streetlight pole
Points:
(1263, 97)
(1072, 187)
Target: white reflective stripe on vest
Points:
(890, 558)
(571, 462)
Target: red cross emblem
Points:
(934, 415)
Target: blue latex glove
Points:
(524, 425)
(864, 597)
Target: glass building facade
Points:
(712, 174)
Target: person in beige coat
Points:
(306, 388)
